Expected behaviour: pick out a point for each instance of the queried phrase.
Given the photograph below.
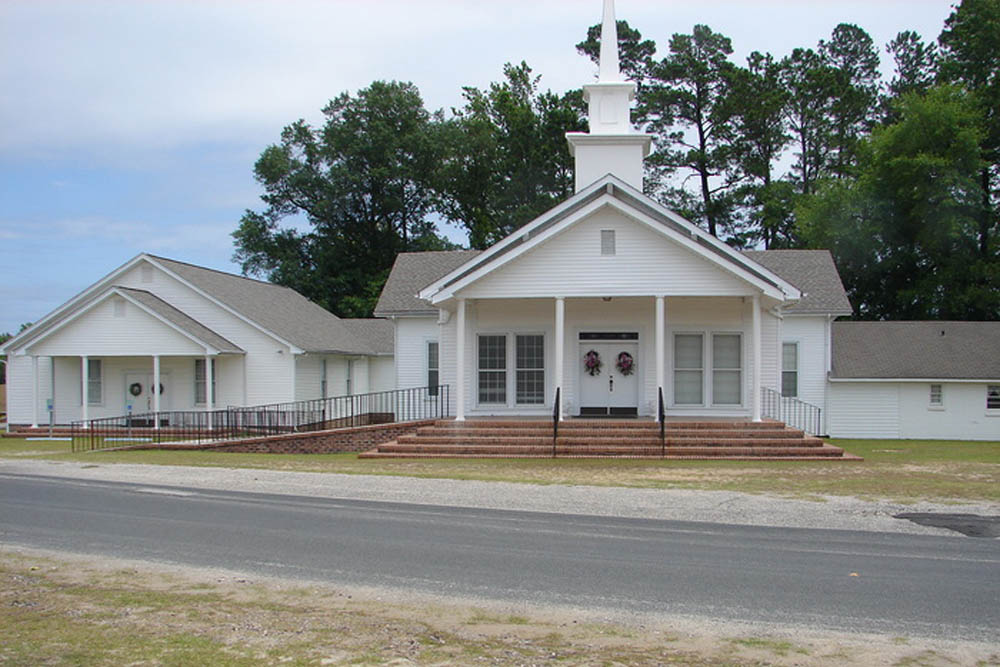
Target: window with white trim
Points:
(993, 397)
(688, 369)
(199, 381)
(95, 382)
(529, 356)
(790, 369)
(433, 370)
(727, 369)
(322, 378)
(492, 369)
(936, 396)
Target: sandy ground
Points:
(395, 627)
(832, 512)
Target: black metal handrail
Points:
(662, 416)
(790, 410)
(555, 422)
(199, 426)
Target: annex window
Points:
(727, 373)
(199, 381)
(95, 384)
(993, 397)
(936, 397)
(790, 369)
(492, 366)
(433, 375)
(322, 378)
(688, 369)
(530, 376)
(607, 242)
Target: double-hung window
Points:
(727, 369)
(95, 384)
(993, 397)
(688, 369)
(790, 369)
(530, 359)
(199, 381)
(433, 375)
(492, 366)
(936, 396)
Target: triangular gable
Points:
(610, 191)
(138, 324)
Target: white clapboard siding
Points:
(571, 264)
(962, 415)
(864, 410)
(383, 374)
(810, 332)
(412, 336)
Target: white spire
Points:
(610, 71)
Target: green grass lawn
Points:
(904, 470)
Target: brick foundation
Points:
(354, 439)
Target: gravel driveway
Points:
(833, 512)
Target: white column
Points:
(84, 398)
(755, 393)
(34, 391)
(660, 345)
(156, 391)
(560, 348)
(460, 362)
(209, 403)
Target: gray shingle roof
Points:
(944, 350)
(181, 320)
(813, 272)
(380, 335)
(280, 310)
(412, 272)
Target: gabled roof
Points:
(412, 272)
(280, 310)
(180, 320)
(380, 335)
(611, 191)
(916, 350)
(814, 273)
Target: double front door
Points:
(139, 392)
(609, 374)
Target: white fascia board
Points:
(920, 380)
(293, 349)
(429, 293)
(96, 302)
(23, 339)
(630, 212)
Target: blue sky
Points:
(133, 125)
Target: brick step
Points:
(600, 441)
(783, 453)
(600, 424)
(581, 432)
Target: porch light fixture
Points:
(605, 299)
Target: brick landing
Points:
(602, 438)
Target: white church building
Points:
(605, 305)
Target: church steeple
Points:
(612, 145)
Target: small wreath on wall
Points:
(135, 389)
(592, 363)
(625, 364)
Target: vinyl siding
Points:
(864, 410)
(383, 374)
(571, 264)
(810, 332)
(962, 416)
(412, 335)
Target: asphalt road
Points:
(908, 585)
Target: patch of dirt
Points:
(272, 620)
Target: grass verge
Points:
(899, 470)
(71, 610)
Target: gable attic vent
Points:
(607, 242)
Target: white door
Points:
(609, 381)
(139, 393)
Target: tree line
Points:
(898, 178)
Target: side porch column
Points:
(660, 356)
(156, 391)
(209, 402)
(755, 393)
(460, 362)
(84, 382)
(34, 391)
(560, 349)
